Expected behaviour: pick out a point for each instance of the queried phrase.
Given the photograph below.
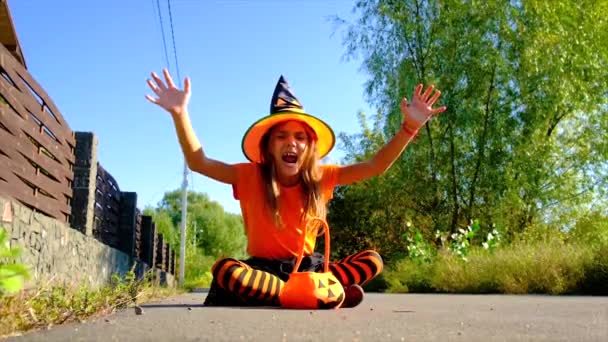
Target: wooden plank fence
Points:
(54, 171)
(36, 144)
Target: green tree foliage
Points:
(523, 141)
(213, 231)
(164, 225)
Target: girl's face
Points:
(288, 144)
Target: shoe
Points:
(353, 296)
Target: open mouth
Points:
(290, 157)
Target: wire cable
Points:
(173, 39)
(162, 30)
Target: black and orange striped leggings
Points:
(262, 285)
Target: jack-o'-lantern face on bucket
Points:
(310, 290)
(329, 292)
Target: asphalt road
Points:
(381, 317)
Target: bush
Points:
(410, 276)
(552, 268)
(12, 274)
(595, 280)
(378, 284)
(543, 268)
(198, 269)
(525, 268)
(476, 274)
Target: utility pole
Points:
(182, 254)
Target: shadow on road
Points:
(200, 290)
(198, 305)
(156, 306)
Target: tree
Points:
(164, 225)
(215, 232)
(521, 144)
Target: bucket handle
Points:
(326, 231)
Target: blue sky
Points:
(93, 58)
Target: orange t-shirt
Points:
(264, 238)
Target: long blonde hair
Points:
(310, 178)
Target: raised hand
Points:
(420, 110)
(170, 98)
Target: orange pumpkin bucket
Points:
(312, 290)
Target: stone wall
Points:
(54, 251)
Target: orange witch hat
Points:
(284, 106)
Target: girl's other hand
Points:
(420, 110)
(170, 98)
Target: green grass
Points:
(550, 267)
(56, 304)
(198, 271)
(204, 281)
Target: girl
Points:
(282, 187)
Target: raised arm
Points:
(175, 101)
(415, 115)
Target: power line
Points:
(162, 31)
(173, 39)
(164, 189)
